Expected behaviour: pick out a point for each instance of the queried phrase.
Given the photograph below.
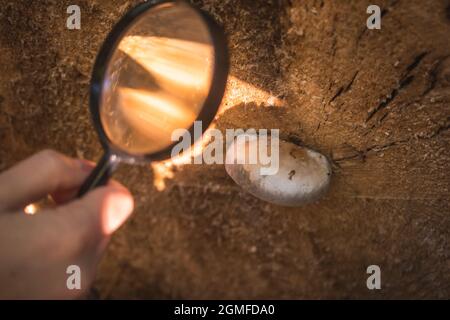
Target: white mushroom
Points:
(303, 175)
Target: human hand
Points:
(35, 251)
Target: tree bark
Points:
(376, 102)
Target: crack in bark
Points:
(405, 81)
(345, 89)
(434, 75)
(350, 84)
(416, 62)
(337, 94)
(362, 154)
(433, 81)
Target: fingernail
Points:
(119, 207)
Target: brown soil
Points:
(377, 102)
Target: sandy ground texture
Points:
(377, 102)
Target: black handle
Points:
(101, 174)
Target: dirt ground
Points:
(377, 102)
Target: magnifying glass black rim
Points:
(212, 101)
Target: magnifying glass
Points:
(163, 67)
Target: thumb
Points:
(102, 211)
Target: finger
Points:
(63, 196)
(44, 173)
(100, 212)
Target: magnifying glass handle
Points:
(101, 174)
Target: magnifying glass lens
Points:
(163, 66)
(157, 79)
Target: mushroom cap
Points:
(303, 175)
